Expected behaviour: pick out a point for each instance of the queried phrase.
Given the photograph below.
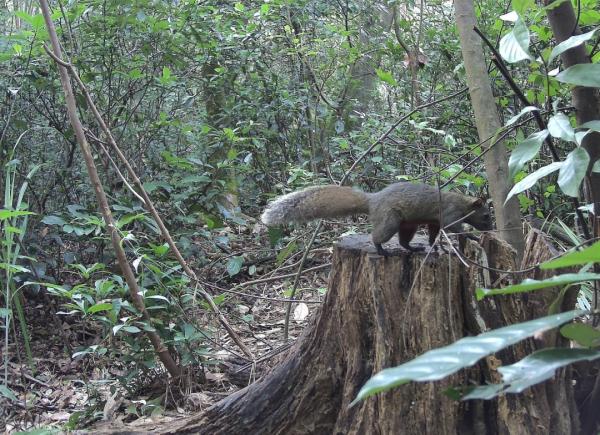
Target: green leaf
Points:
(554, 5)
(592, 125)
(285, 253)
(572, 171)
(53, 220)
(533, 369)
(534, 284)
(128, 218)
(531, 179)
(583, 334)
(160, 250)
(99, 307)
(442, 362)
(521, 6)
(587, 255)
(386, 77)
(560, 126)
(573, 41)
(582, 74)
(5, 214)
(7, 392)
(525, 151)
(521, 113)
(234, 265)
(514, 46)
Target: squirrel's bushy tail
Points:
(316, 203)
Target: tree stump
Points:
(380, 312)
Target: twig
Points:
(134, 290)
(150, 206)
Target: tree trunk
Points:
(508, 217)
(379, 312)
(585, 100)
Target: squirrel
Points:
(398, 208)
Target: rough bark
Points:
(508, 216)
(379, 312)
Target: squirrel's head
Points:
(480, 216)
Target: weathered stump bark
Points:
(379, 312)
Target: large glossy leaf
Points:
(440, 363)
(531, 370)
(572, 171)
(573, 41)
(582, 74)
(514, 46)
(534, 284)
(560, 126)
(521, 113)
(592, 125)
(587, 255)
(531, 179)
(525, 151)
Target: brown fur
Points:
(399, 208)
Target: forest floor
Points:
(60, 392)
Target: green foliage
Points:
(587, 255)
(244, 100)
(528, 285)
(442, 362)
(533, 369)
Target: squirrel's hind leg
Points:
(406, 232)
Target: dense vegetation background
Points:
(218, 108)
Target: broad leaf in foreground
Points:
(572, 171)
(533, 369)
(560, 126)
(525, 151)
(533, 284)
(514, 46)
(587, 255)
(440, 363)
(582, 74)
(532, 178)
(569, 43)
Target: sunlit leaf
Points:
(442, 362)
(525, 151)
(514, 46)
(582, 74)
(99, 307)
(525, 110)
(587, 255)
(531, 179)
(5, 214)
(386, 77)
(533, 369)
(560, 126)
(571, 42)
(534, 284)
(573, 170)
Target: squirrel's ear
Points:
(479, 202)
